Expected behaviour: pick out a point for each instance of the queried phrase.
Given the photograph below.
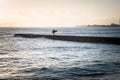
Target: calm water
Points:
(45, 59)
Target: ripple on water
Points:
(58, 74)
(8, 59)
(3, 53)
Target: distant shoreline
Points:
(96, 25)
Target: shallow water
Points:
(45, 59)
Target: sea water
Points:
(45, 59)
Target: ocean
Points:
(46, 59)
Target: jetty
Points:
(92, 39)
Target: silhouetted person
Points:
(54, 31)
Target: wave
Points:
(60, 74)
(6, 35)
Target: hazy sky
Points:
(58, 12)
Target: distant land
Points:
(98, 25)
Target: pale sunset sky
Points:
(53, 13)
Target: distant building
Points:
(116, 25)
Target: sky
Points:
(58, 13)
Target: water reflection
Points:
(23, 58)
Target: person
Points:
(54, 31)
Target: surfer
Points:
(54, 31)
